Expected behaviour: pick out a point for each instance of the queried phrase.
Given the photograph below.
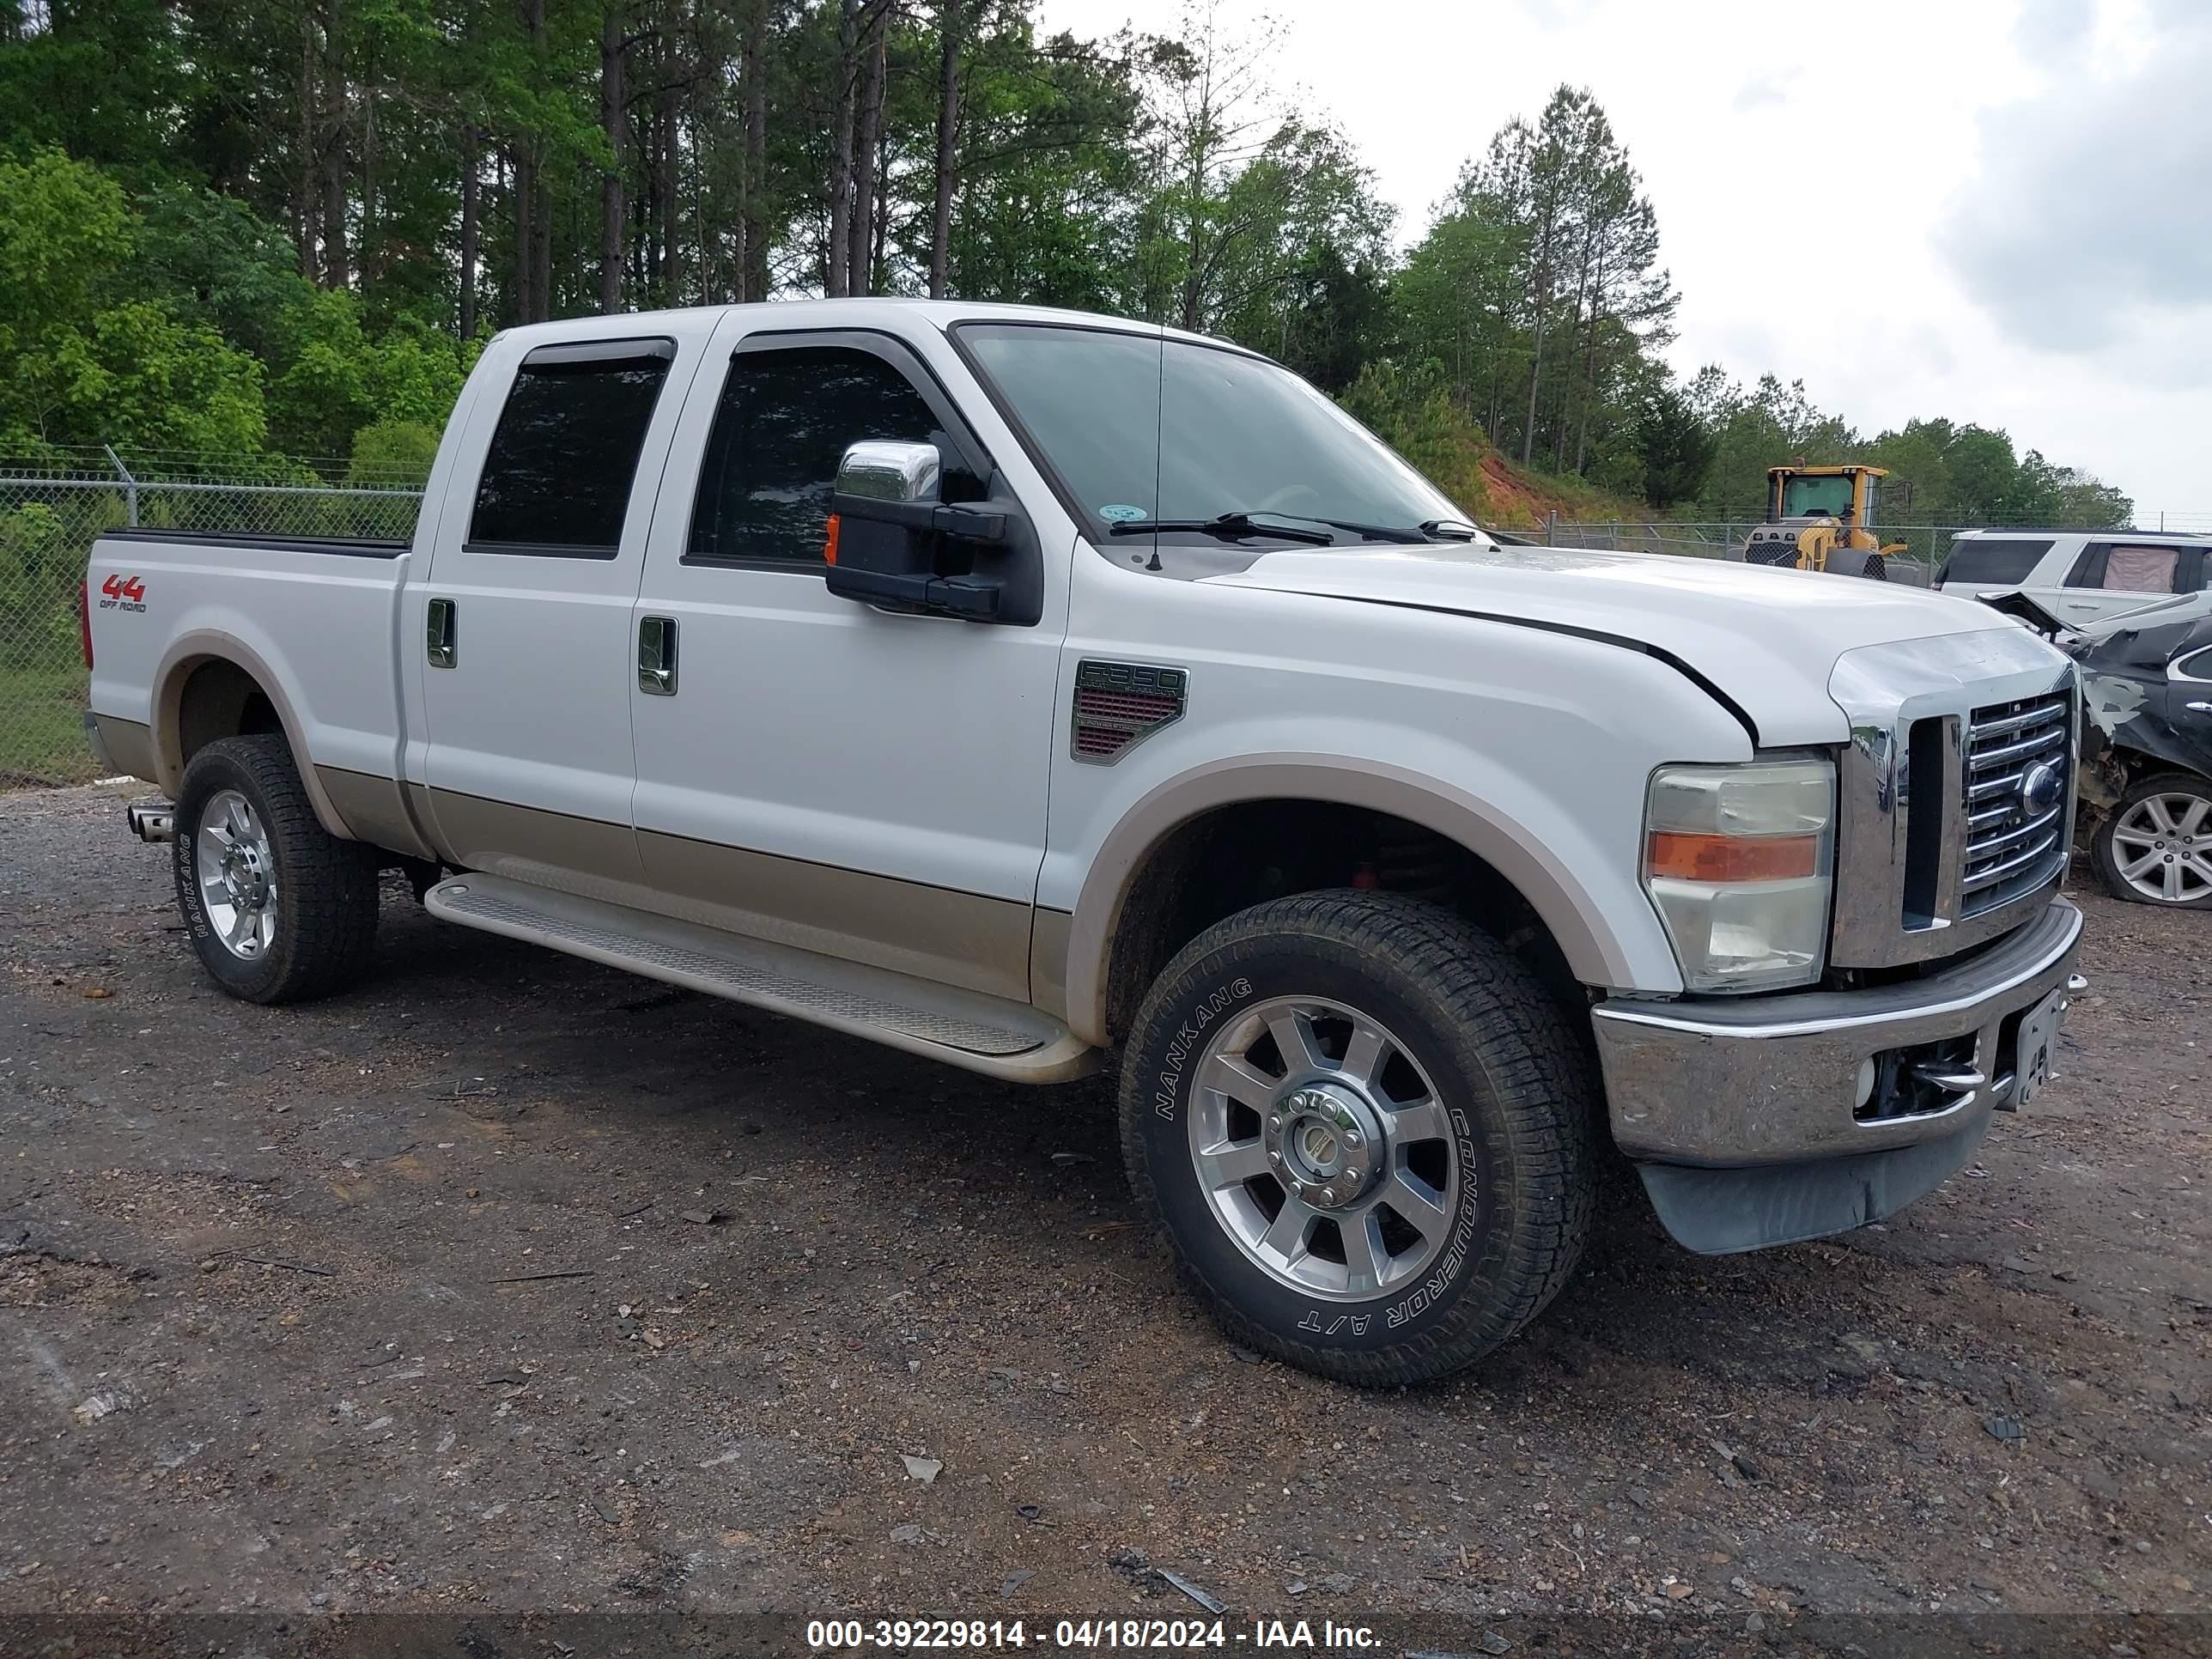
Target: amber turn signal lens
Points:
(1688, 857)
(830, 545)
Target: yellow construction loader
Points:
(1821, 518)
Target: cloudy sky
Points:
(1999, 211)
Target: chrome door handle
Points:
(2199, 707)
(443, 634)
(656, 656)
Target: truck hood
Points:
(1766, 640)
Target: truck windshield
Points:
(1816, 498)
(1142, 429)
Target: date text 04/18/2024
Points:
(1117, 1634)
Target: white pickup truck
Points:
(1019, 688)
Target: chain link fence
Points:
(1925, 546)
(52, 511)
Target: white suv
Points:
(2078, 575)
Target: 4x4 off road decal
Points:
(1119, 704)
(120, 592)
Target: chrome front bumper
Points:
(1775, 1080)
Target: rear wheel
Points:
(279, 910)
(2156, 846)
(1364, 1129)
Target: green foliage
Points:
(1298, 260)
(1674, 450)
(1045, 170)
(42, 680)
(94, 82)
(212, 261)
(392, 453)
(1769, 425)
(64, 227)
(1539, 290)
(1415, 416)
(233, 223)
(133, 375)
(1970, 475)
(84, 367)
(42, 556)
(1940, 472)
(334, 377)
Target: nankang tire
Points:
(278, 908)
(1365, 1132)
(2156, 846)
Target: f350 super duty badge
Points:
(1117, 704)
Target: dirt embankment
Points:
(1524, 499)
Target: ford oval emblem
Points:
(2042, 788)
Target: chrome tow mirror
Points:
(893, 540)
(880, 470)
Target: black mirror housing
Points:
(894, 541)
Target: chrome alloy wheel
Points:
(237, 872)
(2162, 848)
(1324, 1149)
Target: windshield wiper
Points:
(1245, 524)
(1232, 526)
(1428, 530)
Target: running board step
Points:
(963, 1028)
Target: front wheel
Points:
(2156, 846)
(279, 910)
(1365, 1131)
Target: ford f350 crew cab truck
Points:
(1020, 687)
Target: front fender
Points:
(1605, 942)
(1531, 747)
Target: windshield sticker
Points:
(1118, 514)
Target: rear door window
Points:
(2006, 562)
(557, 478)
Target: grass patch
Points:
(42, 735)
(1575, 498)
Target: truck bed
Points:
(370, 547)
(315, 617)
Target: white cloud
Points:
(2085, 227)
(1850, 196)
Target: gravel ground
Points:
(511, 1282)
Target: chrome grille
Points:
(2016, 794)
(1930, 720)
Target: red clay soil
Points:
(1512, 501)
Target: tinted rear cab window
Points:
(557, 476)
(1991, 561)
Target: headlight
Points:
(1738, 861)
